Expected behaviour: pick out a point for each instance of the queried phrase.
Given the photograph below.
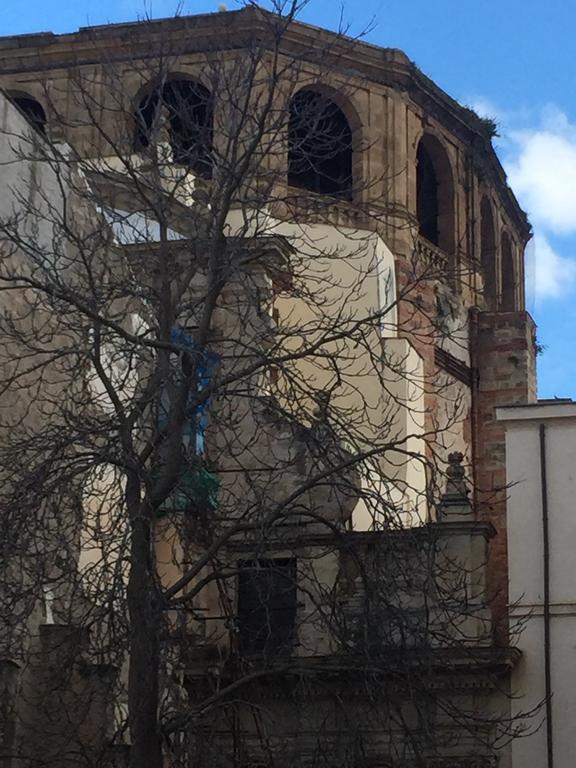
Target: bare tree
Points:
(218, 481)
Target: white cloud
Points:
(548, 274)
(542, 172)
(539, 155)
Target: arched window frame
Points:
(443, 229)
(201, 164)
(31, 108)
(350, 120)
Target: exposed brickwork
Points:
(505, 374)
(415, 321)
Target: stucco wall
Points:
(526, 573)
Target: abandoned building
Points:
(372, 226)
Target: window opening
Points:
(33, 111)
(508, 303)
(426, 196)
(319, 146)
(189, 107)
(435, 210)
(267, 596)
(488, 252)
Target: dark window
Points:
(435, 194)
(426, 195)
(189, 109)
(488, 252)
(267, 606)
(319, 146)
(508, 302)
(33, 111)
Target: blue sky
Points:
(510, 59)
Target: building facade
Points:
(540, 443)
(384, 228)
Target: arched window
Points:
(488, 253)
(32, 110)
(188, 106)
(319, 145)
(434, 194)
(508, 300)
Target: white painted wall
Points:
(31, 188)
(357, 273)
(526, 573)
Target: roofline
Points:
(389, 66)
(541, 410)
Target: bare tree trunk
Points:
(143, 609)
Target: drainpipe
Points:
(546, 563)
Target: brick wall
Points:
(504, 374)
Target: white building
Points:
(541, 477)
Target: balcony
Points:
(432, 256)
